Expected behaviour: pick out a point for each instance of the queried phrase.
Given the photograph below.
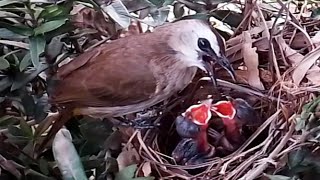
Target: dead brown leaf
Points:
(127, 157)
(239, 38)
(262, 44)
(308, 61)
(146, 169)
(251, 60)
(234, 41)
(313, 75)
(234, 45)
(293, 56)
(233, 53)
(298, 42)
(242, 76)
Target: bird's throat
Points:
(203, 145)
(231, 129)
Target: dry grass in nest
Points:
(273, 140)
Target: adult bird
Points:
(133, 73)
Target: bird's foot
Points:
(145, 123)
(139, 123)
(143, 120)
(149, 113)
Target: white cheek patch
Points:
(215, 45)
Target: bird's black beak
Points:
(222, 61)
(208, 65)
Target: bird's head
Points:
(198, 44)
(237, 109)
(199, 114)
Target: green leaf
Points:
(310, 107)
(315, 14)
(7, 34)
(26, 128)
(5, 83)
(19, 29)
(37, 46)
(144, 178)
(44, 166)
(118, 12)
(25, 62)
(295, 158)
(126, 173)
(157, 3)
(15, 131)
(306, 119)
(29, 105)
(194, 16)
(49, 26)
(300, 123)
(168, 2)
(53, 11)
(4, 64)
(22, 79)
(95, 131)
(7, 120)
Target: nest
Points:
(262, 151)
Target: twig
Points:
(259, 170)
(243, 89)
(270, 38)
(259, 130)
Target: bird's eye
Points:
(203, 44)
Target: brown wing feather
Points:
(101, 78)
